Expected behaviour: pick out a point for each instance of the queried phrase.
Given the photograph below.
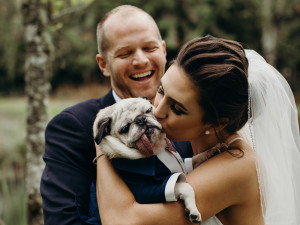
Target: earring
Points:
(207, 132)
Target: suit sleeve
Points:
(66, 178)
(146, 189)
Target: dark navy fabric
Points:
(184, 148)
(146, 178)
(93, 216)
(69, 171)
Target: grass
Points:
(12, 134)
(12, 154)
(12, 148)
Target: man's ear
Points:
(164, 48)
(103, 65)
(104, 127)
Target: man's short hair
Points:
(102, 40)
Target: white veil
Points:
(274, 134)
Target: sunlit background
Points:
(271, 27)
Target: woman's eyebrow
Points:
(178, 103)
(173, 100)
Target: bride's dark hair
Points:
(218, 70)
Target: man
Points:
(133, 54)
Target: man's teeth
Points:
(140, 75)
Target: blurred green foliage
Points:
(72, 24)
(12, 156)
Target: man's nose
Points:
(140, 58)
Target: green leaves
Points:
(58, 6)
(72, 24)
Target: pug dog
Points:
(129, 134)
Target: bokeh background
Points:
(271, 27)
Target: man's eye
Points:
(150, 49)
(125, 129)
(161, 90)
(124, 55)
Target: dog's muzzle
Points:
(140, 120)
(144, 143)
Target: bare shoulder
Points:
(225, 180)
(238, 163)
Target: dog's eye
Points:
(125, 129)
(149, 110)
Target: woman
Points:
(207, 98)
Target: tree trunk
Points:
(272, 12)
(37, 71)
(269, 32)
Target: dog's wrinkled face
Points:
(132, 124)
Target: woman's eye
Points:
(160, 90)
(176, 110)
(125, 129)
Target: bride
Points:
(218, 94)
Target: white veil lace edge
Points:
(273, 131)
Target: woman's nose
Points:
(160, 111)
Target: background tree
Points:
(270, 27)
(273, 15)
(11, 44)
(37, 72)
(266, 26)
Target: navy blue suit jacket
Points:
(69, 171)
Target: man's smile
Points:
(142, 76)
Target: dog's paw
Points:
(193, 215)
(200, 158)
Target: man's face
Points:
(136, 58)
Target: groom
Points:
(133, 54)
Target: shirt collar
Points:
(116, 97)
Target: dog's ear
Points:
(103, 129)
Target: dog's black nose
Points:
(140, 120)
